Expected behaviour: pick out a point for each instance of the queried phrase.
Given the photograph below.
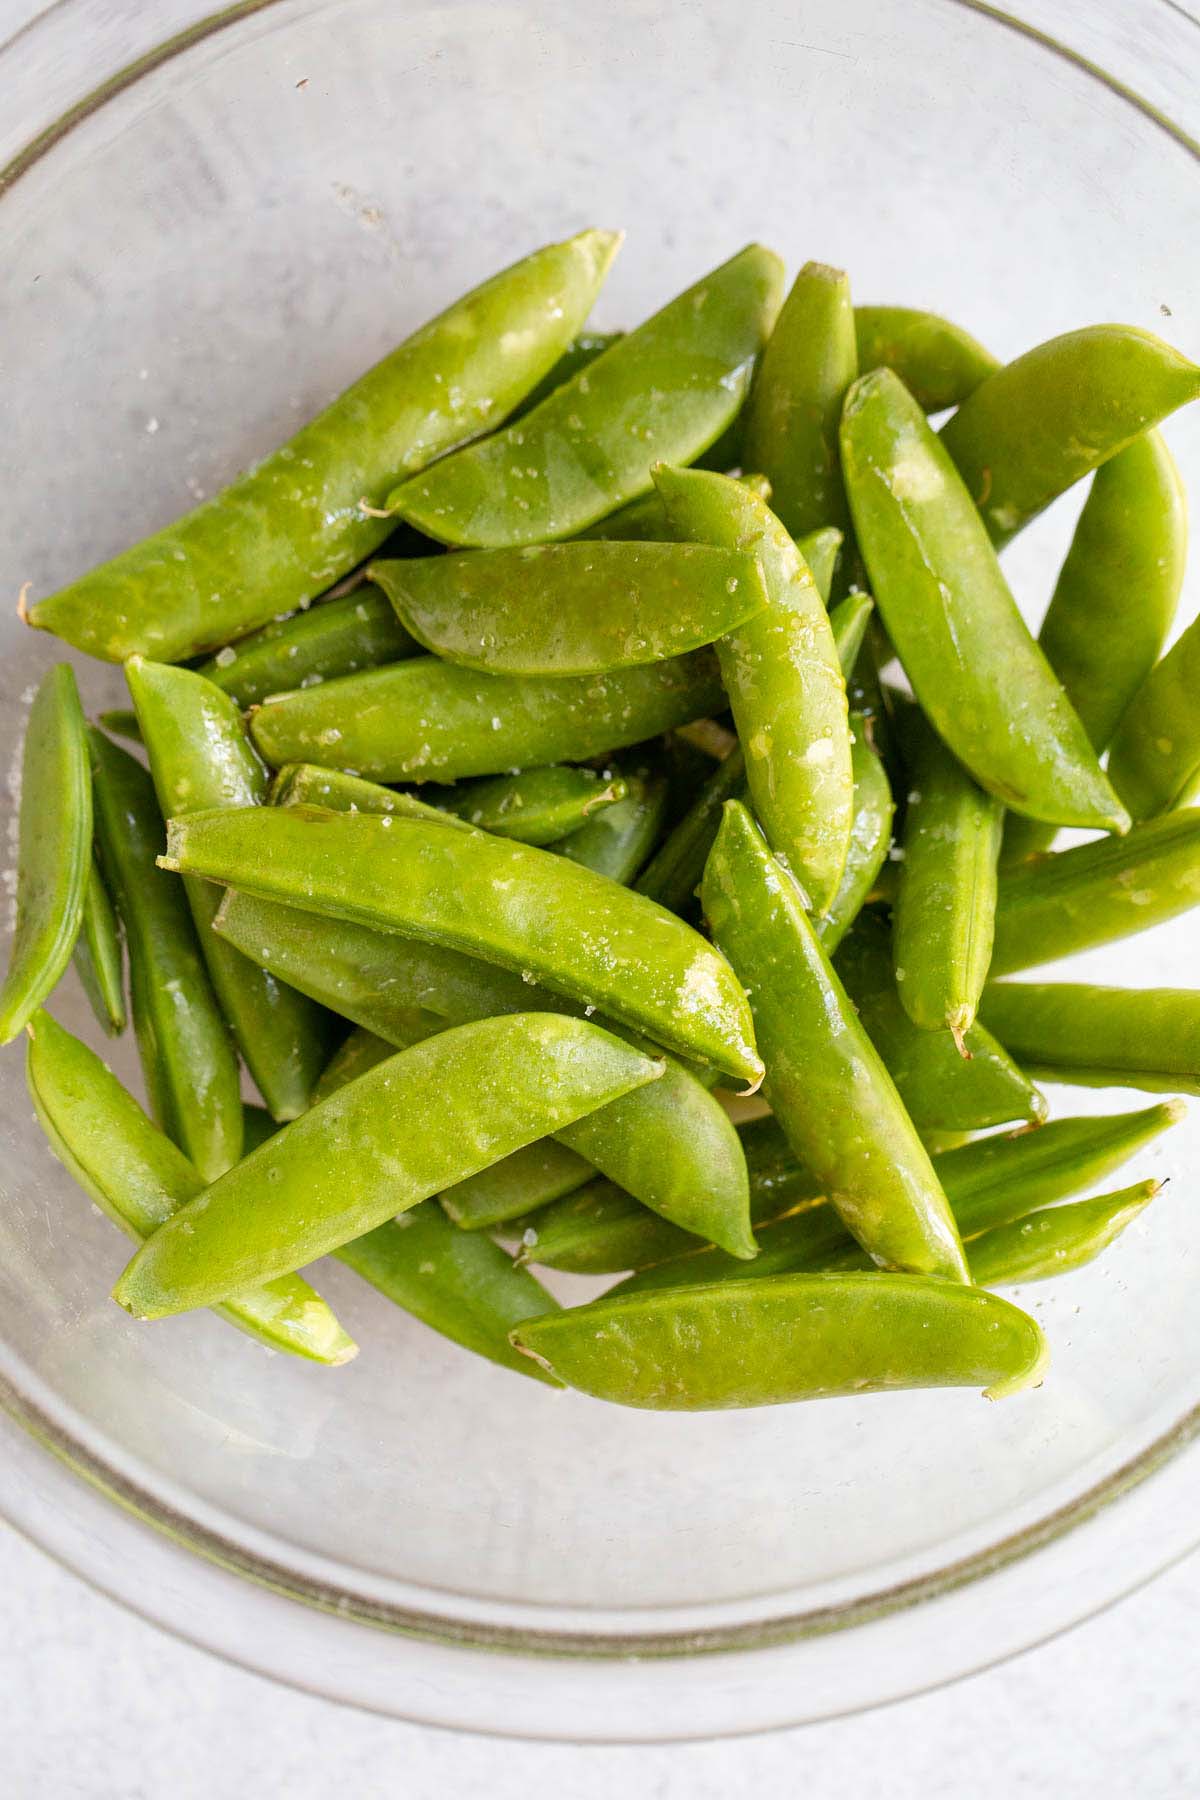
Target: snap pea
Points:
(534, 1176)
(825, 1081)
(359, 1051)
(645, 520)
(784, 682)
(849, 621)
(1124, 1033)
(945, 910)
(1155, 758)
(617, 839)
(578, 354)
(665, 391)
(187, 1055)
(572, 609)
(797, 1337)
(122, 721)
(99, 962)
(499, 1083)
(538, 806)
(939, 363)
(510, 903)
(200, 757)
(982, 681)
(306, 784)
(139, 1180)
(53, 849)
(339, 637)
(1074, 899)
(427, 720)
(1045, 420)
(790, 427)
(870, 837)
(281, 533)
(1043, 1244)
(820, 551)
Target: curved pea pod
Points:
(427, 720)
(139, 1180)
(359, 1051)
(500, 1083)
(797, 1337)
(283, 532)
(1155, 760)
(849, 621)
(572, 609)
(200, 757)
(939, 363)
(358, 631)
(820, 550)
(870, 838)
(508, 903)
(99, 962)
(981, 680)
(1072, 900)
(579, 353)
(941, 1090)
(645, 520)
(665, 391)
(1043, 1244)
(54, 851)
(187, 1055)
(307, 784)
(790, 429)
(784, 682)
(532, 1177)
(825, 1081)
(537, 806)
(1129, 1036)
(617, 839)
(1042, 422)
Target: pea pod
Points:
(939, 363)
(1053, 1243)
(663, 392)
(510, 903)
(537, 1175)
(500, 1083)
(1074, 899)
(572, 609)
(798, 1337)
(645, 520)
(870, 837)
(187, 1055)
(54, 849)
(99, 962)
(359, 1051)
(538, 806)
(617, 839)
(784, 682)
(850, 622)
(1130, 1036)
(339, 637)
(200, 757)
(122, 721)
(820, 550)
(983, 683)
(280, 534)
(1155, 759)
(139, 1180)
(426, 720)
(825, 1081)
(1041, 423)
(306, 784)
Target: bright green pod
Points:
(54, 849)
(785, 684)
(200, 757)
(1155, 760)
(981, 680)
(1044, 421)
(617, 839)
(939, 363)
(1053, 1243)
(359, 1051)
(358, 631)
(850, 621)
(798, 1337)
(187, 1055)
(523, 908)
(578, 354)
(825, 1081)
(572, 609)
(427, 720)
(664, 392)
(139, 1180)
(1127, 1035)
(535, 1176)
(644, 521)
(870, 837)
(307, 784)
(536, 806)
(820, 550)
(99, 961)
(500, 1083)
(280, 534)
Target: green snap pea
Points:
(139, 1180)
(784, 682)
(572, 609)
(982, 681)
(941, 1090)
(578, 354)
(356, 1053)
(870, 837)
(538, 806)
(798, 1337)
(122, 721)
(664, 392)
(849, 621)
(1130, 1036)
(339, 637)
(1072, 900)
(187, 1055)
(1042, 422)
(945, 911)
(790, 429)
(509, 903)
(281, 533)
(99, 962)
(200, 757)
(54, 849)
(1155, 760)
(500, 1083)
(820, 550)
(939, 363)
(617, 839)
(825, 1081)
(535, 1176)
(1053, 1243)
(427, 720)
(645, 521)
(306, 784)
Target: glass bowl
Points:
(196, 259)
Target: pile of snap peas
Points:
(564, 732)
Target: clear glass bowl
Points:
(196, 261)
